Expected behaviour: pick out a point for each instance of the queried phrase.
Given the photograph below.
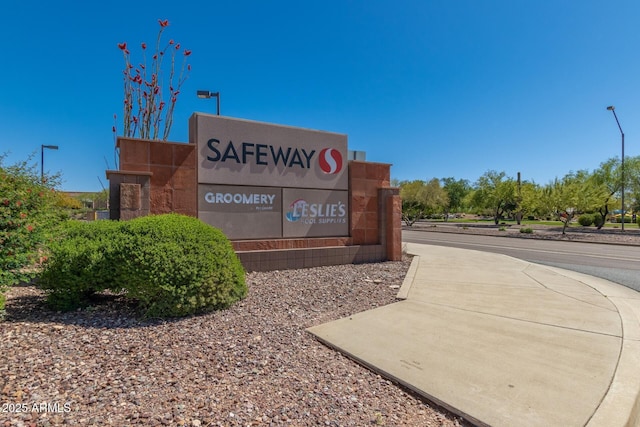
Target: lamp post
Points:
(42, 147)
(613, 110)
(205, 94)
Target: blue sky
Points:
(437, 88)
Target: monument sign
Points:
(259, 180)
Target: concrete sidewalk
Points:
(504, 342)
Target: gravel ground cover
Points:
(250, 365)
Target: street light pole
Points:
(613, 110)
(205, 94)
(42, 147)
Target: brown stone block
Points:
(284, 244)
(382, 172)
(358, 236)
(134, 167)
(161, 176)
(358, 203)
(394, 250)
(371, 237)
(129, 196)
(372, 205)
(133, 151)
(371, 187)
(347, 241)
(357, 169)
(299, 244)
(253, 246)
(358, 186)
(239, 246)
(268, 245)
(371, 220)
(161, 200)
(364, 187)
(358, 220)
(330, 242)
(313, 243)
(394, 209)
(185, 201)
(184, 156)
(243, 246)
(161, 154)
(260, 245)
(185, 179)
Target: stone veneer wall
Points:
(160, 177)
(174, 182)
(375, 215)
(129, 194)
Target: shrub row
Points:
(587, 220)
(173, 265)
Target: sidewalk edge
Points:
(407, 283)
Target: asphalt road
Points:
(617, 263)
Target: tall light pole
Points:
(613, 110)
(205, 94)
(42, 147)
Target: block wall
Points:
(365, 179)
(161, 177)
(129, 194)
(174, 181)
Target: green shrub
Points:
(178, 265)
(173, 265)
(502, 229)
(526, 230)
(27, 213)
(83, 259)
(586, 220)
(598, 220)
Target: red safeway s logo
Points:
(330, 161)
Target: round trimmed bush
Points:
(177, 265)
(586, 220)
(173, 265)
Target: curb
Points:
(517, 236)
(620, 406)
(403, 293)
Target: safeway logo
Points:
(330, 161)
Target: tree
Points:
(436, 198)
(456, 192)
(495, 192)
(632, 182)
(572, 195)
(529, 199)
(421, 198)
(412, 196)
(607, 179)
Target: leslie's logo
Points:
(295, 210)
(330, 161)
(317, 213)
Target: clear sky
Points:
(437, 88)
